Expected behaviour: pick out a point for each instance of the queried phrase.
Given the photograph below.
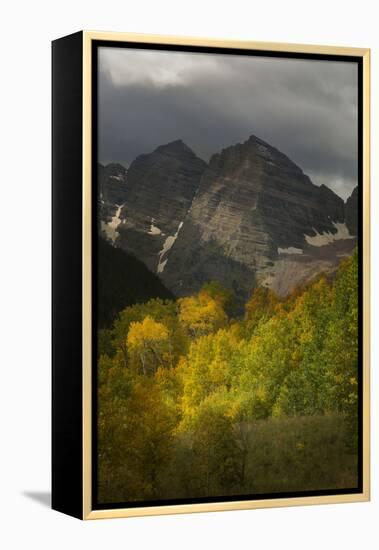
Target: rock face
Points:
(256, 216)
(111, 195)
(112, 186)
(159, 192)
(250, 216)
(351, 212)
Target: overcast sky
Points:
(305, 108)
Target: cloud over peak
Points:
(305, 108)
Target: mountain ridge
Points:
(250, 215)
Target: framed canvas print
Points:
(210, 275)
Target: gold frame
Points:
(88, 513)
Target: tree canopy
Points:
(187, 390)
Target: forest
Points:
(196, 400)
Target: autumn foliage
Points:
(193, 401)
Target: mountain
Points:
(251, 216)
(159, 192)
(112, 182)
(123, 280)
(111, 195)
(257, 216)
(351, 212)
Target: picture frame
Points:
(76, 127)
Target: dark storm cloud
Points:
(307, 109)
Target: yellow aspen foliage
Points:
(201, 314)
(147, 331)
(148, 344)
(192, 403)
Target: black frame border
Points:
(67, 255)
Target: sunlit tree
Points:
(148, 345)
(201, 314)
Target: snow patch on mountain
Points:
(154, 230)
(167, 245)
(290, 250)
(110, 228)
(322, 239)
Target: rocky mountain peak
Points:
(115, 169)
(160, 189)
(250, 216)
(177, 147)
(257, 152)
(254, 209)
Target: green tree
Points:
(266, 360)
(216, 450)
(136, 441)
(340, 352)
(150, 425)
(208, 367)
(261, 306)
(305, 389)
